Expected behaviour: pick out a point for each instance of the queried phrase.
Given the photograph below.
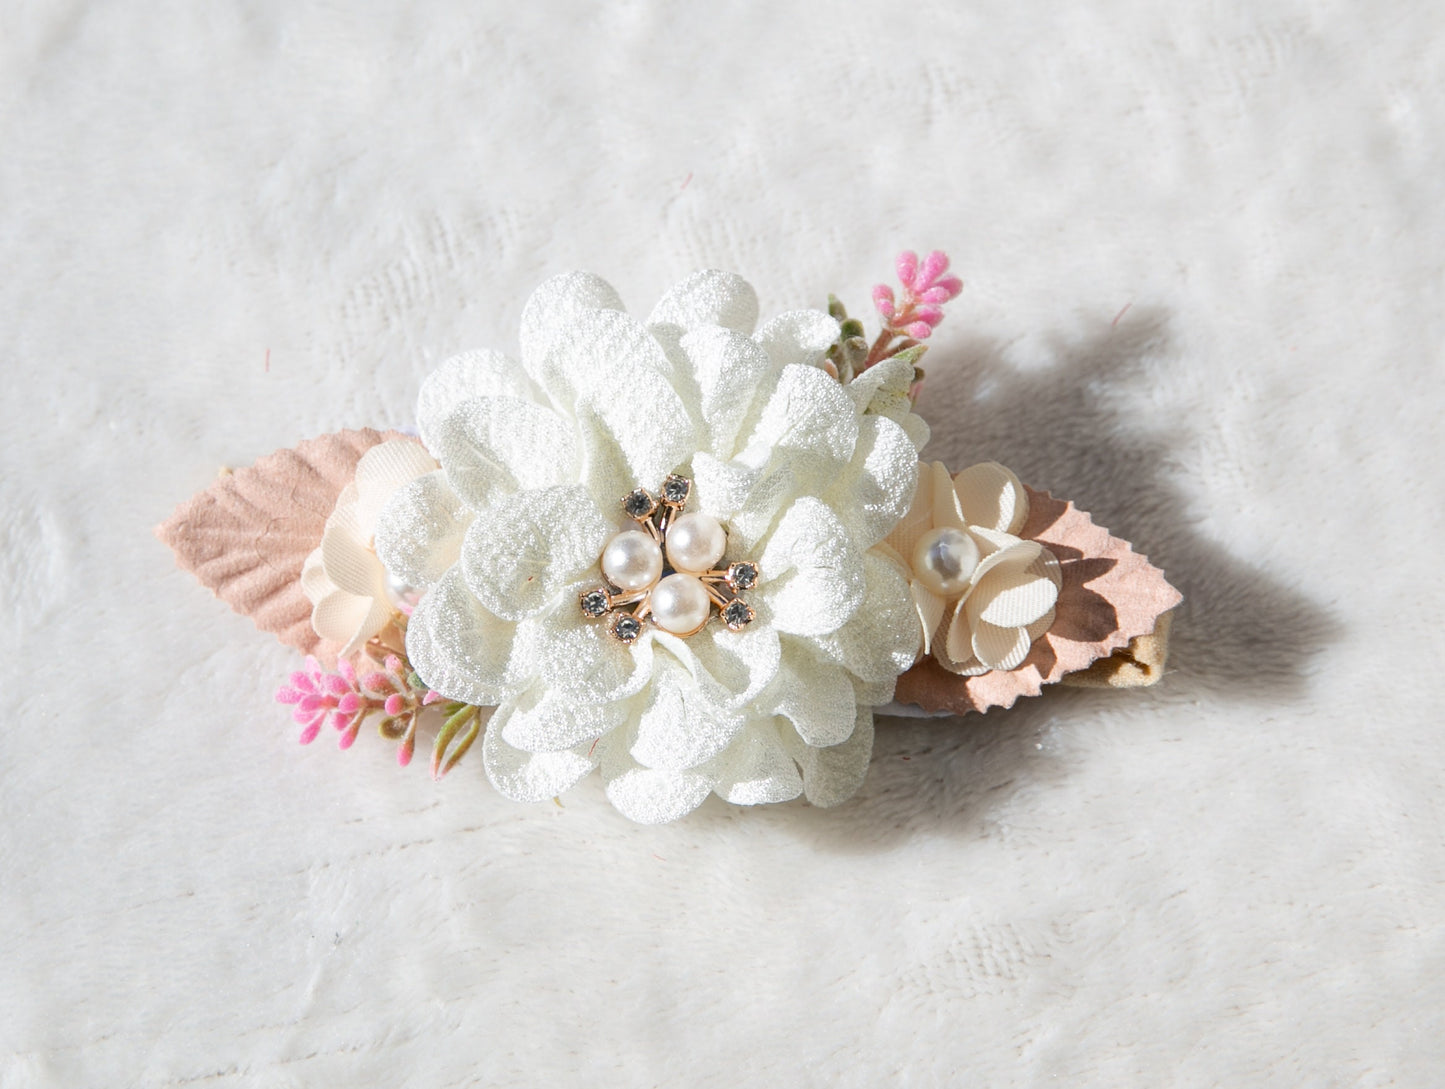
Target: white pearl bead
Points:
(944, 560)
(695, 542)
(680, 604)
(632, 560)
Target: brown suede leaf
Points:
(247, 535)
(1111, 596)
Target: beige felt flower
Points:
(351, 595)
(982, 593)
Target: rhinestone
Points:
(639, 504)
(738, 614)
(596, 602)
(743, 576)
(676, 490)
(627, 628)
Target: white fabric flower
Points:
(982, 594)
(343, 579)
(806, 475)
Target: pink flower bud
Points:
(312, 704)
(308, 735)
(432, 696)
(934, 266)
(377, 683)
(883, 300)
(346, 669)
(349, 704)
(393, 664)
(289, 694)
(395, 704)
(907, 267)
(952, 284)
(919, 330)
(334, 685)
(931, 314)
(403, 755)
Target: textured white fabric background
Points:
(1203, 248)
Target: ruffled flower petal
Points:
(728, 367)
(883, 390)
(654, 796)
(797, 336)
(1000, 648)
(815, 580)
(708, 297)
(918, 519)
(877, 487)
(1013, 596)
(832, 775)
(757, 769)
(574, 657)
(348, 620)
(531, 776)
(462, 650)
(543, 721)
(462, 377)
(420, 531)
(931, 608)
(947, 511)
(731, 668)
(808, 423)
(380, 472)
(816, 697)
(551, 310)
(955, 651)
(350, 564)
(523, 550)
(748, 500)
(647, 425)
(679, 728)
(314, 582)
(881, 639)
(989, 495)
(493, 446)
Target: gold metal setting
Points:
(724, 586)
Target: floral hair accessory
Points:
(694, 553)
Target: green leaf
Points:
(911, 355)
(463, 726)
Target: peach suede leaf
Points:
(247, 535)
(1110, 596)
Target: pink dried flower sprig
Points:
(913, 317)
(925, 290)
(347, 698)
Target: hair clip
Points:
(695, 554)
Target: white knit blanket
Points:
(1203, 253)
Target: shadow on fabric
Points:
(1069, 428)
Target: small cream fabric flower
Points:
(348, 588)
(982, 593)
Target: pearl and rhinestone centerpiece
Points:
(666, 568)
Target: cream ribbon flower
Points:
(806, 476)
(351, 595)
(982, 593)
